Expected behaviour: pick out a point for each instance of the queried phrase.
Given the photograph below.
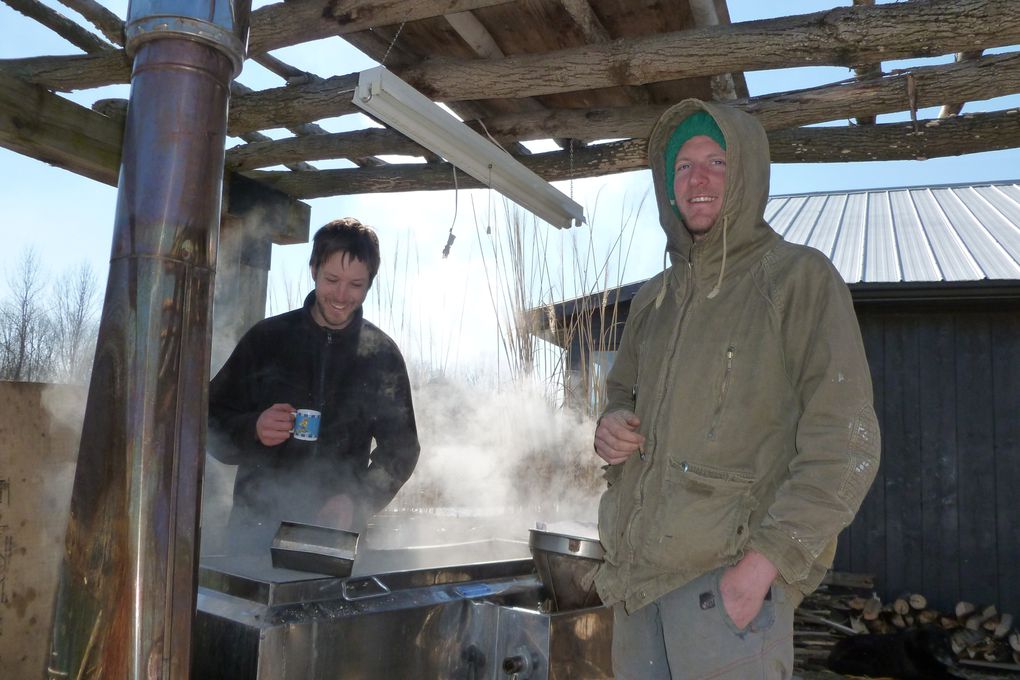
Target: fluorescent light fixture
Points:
(411, 113)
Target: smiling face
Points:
(699, 184)
(341, 284)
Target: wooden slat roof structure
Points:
(592, 75)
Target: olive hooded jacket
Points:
(744, 362)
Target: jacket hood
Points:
(740, 232)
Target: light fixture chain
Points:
(392, 43)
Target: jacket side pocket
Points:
(609, 511)
(702, 522)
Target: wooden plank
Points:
(51, 129)
(988, 77)
(843, 36)
(839, 37)
(603, 159)
(296, 21)
(61, 25)
(974, 413)
(40, 426)
(902, 460)
(271, 214)
(898, 141)
(106, 21)
(76, 72)
(940, 493)
(1006, 400)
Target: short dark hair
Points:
(350, 236)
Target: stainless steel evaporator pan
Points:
(565, 565)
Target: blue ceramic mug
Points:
(306, 424)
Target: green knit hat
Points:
(698, 123)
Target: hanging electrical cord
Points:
(489, 211)
(452, 237)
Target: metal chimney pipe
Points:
(127, 585)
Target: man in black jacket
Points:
(324, 357)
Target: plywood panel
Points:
(39, 427)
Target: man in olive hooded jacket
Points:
(740, 432)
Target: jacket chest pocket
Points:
(701, 519)
(723, 390)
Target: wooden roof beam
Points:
(955, 107)
(840, 37)
(481, 42)
(596, 34)
(49, 128)
(934, 138)
(866, 71)
(706, 14)
(986, 78)
(61, 25)
(108, 23)
(971, 133)
(297, 21)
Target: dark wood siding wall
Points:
(943, 517)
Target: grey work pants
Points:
(687, 635)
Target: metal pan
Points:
(565, 564)
(320, 550)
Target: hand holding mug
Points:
(274, 424)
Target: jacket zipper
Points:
(660, 392)
(321, 388)
(730, 351)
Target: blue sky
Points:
(68, 219)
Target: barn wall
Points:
(941, 518)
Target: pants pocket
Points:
(763, 621)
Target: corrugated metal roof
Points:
(964, 232)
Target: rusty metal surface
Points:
(128, 580)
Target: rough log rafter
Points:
(61, 25)
(955, 107)
(296, 21)
(973, 80)
(41, 125)
(109, 24)
(840, 37)
(890, 141)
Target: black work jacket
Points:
(355, 376)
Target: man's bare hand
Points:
(744, 585)
(274, 424)
(617, 438)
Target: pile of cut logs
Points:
(846, 605)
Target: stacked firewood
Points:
(846, 605)
(980, 633)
